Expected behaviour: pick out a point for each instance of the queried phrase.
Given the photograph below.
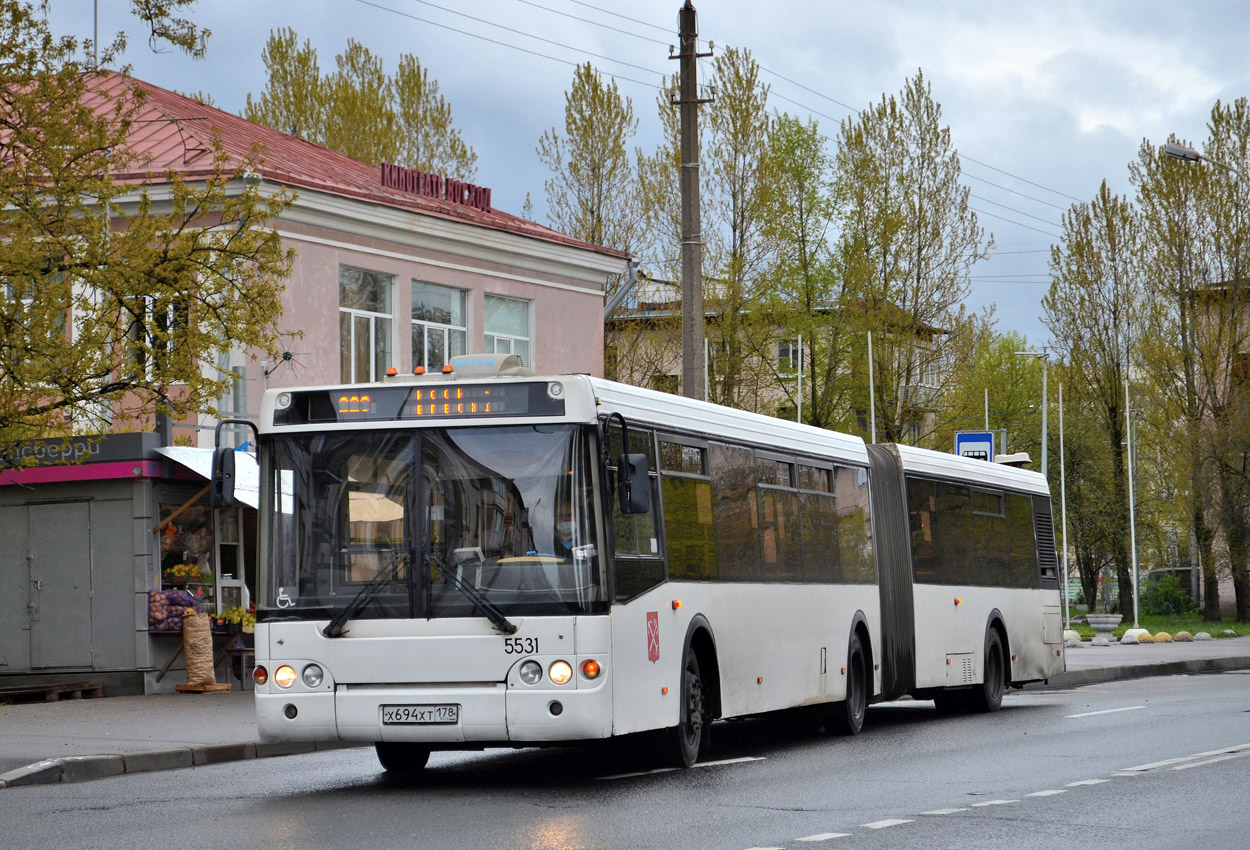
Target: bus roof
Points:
(944, 465)
(691, 415)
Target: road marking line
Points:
(671, 769)
(1050, 793)
(1227, 757)
(1107, 711)
(730, 761)
(637, 773)
(1086, 782)
(1141, 768)
(882, 824)
(943, 811)
(993, 803)
(825, 836)
(766, 848)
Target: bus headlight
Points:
(560, 672)
(284, 676)
(313, 676)
(531, 672)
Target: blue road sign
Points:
(975, 444)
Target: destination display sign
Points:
(420, 402)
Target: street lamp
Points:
(1045, 362)
(1185, 154)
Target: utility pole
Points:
(692, 357)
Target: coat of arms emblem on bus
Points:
(653, 636)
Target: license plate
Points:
(394, 715)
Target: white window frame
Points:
(445, 329)
(376, 370)
(492, 339)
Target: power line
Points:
(599, 23)
(662, 76)
(526, 34)
(1013, 209)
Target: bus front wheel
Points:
(687, 738)
(402, 758)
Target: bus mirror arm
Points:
(633, 484)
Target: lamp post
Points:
(1063, 509)
(1045, 358)
(1185, 154)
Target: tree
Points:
(293, 101)
(804, 298)
(427, 139)
(182, 33)
(1011, 386)
(908, 242)
(593, 193)
(359, 115)
(1196, 255)
(1094, 312)
(738, 248)
(114, 303)
(359, 110)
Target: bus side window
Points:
(734, 506)
(689, 525)
(638, 563)
(854, 528)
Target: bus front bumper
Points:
(486, 714)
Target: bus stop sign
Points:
(975, 444)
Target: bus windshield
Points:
(430, 523)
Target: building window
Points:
(507, 325)
(788, 354)
(439, 326)
(364, 324)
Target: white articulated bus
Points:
(490, 558)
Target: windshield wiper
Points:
(364, 596)
(476, 596)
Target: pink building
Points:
(394, 267)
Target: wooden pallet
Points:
(219, 688)
(52, 693)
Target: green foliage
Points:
(593, 191)
(359, 110)
(1166, 597)
(115, 301)
(908, 242)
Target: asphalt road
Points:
(1152, 763)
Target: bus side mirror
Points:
(223, 477)
(633, 484)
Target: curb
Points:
(82, 768)
(1099, 675)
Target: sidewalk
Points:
(75, 740)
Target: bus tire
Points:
(849, 716)
(401, 757)
(988, 697)
(688, 737)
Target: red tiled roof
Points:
(173, 133)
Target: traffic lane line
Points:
(1105, 711)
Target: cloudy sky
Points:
(1044, 100)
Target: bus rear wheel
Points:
(849, 717)
(687, 738)
(989, 696)
(402, 758)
